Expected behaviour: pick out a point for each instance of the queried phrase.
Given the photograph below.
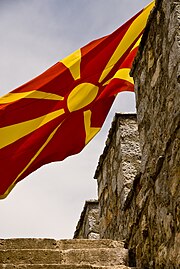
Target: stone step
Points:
(34, 243)
(99, 256)
(58, 266)
(88, 244)
(62, 254)
(32, 256)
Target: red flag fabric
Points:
(57, 113)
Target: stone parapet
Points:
(88, 225)
(117, 168)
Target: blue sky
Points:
(35, 34)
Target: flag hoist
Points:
(57, 113)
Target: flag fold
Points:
(57, 113)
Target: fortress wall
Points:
(88, 224)
(157, 84)
(115, 174)
(143, 208)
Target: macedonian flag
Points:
(57, 113)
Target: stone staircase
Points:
(62, 254)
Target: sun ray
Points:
(30, 162)
(132, 33)
(122, 74)
(72, 62)
(90, 131)
(14, 132)
(12, 97)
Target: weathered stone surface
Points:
(33, 256)
(96, 256)
(89, 244)
(88, 225)
(85, 253)
(28, 243)
(35, 243)
(144, 209)
(60, 266)
(156, 233)
(115, 174)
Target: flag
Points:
(57, 113)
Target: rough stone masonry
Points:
(144, 210)
(156, 73)
(115, 174)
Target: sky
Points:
(34, 35)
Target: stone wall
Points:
(88, 225)
(156, 73)
(115, 174)
(144, 209)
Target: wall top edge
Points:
(118, 116)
